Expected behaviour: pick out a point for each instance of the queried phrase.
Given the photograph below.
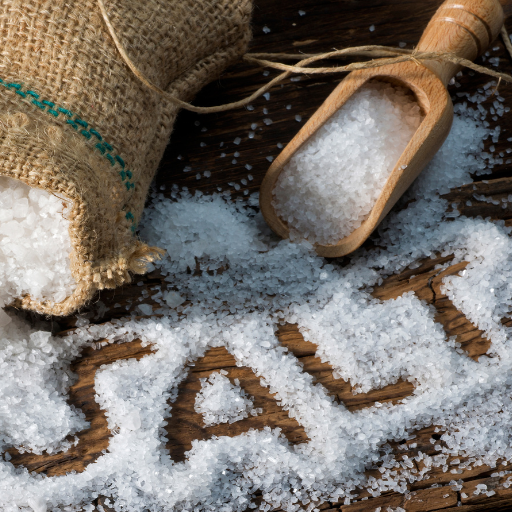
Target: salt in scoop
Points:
(461, 27)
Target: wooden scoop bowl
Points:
(463, 27)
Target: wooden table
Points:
(196, 144)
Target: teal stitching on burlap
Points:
(65, 111)
(102, 146)
(129, 216)
(96, 134)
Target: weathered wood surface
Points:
(327, 24)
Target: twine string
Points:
(380, 55)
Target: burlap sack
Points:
(74, 119)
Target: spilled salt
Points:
(220, 401)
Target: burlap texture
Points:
(75, 121)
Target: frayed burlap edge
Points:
(108, 275)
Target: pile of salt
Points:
(331, 183)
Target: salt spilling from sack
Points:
(34, 244)
(34, 259)
(331, 183)
(245, 282)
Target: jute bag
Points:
(76, 121)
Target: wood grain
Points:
(327, 24)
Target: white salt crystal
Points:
(131, 420)
(37, 505)
(34, 231)
(173, 299)
(146, 309)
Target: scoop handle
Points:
(463, 27)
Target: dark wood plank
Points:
(419, 501)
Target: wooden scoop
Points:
(463, 27)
